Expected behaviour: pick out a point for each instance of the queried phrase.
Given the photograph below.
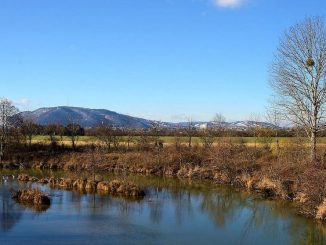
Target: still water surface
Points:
(173, 212)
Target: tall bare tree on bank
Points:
(298, 77)
(7, 113)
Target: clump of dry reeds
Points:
(31, 196)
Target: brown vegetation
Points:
(31, 196)
(114, 187)
(276, 173)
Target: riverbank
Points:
(282, 174)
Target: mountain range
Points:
(94, 117)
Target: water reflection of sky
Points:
(173, 212)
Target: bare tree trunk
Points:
(313, 143)
(1, 151)
(29, 141)
(277, 143)
(73, 141)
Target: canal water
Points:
(173, 212)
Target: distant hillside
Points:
(93, 117)
(84, 116)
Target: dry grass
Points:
(114, 187)
(270, 188)
(321, 211)
(31, 196)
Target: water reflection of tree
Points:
(10, 212)
(222, 206)
(262, 216)
(183, 204)
(156, 211)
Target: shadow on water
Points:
(173, 211)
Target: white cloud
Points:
(23, 103)
(228, 3)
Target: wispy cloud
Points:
(229, 3)
(24, 104)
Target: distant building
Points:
(203, 126)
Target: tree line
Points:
(16, 130)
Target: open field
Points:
(249, 141)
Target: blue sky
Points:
(158, 59)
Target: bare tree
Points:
(29, 129)
(255, 127)
(50, 130)
(219, 123)
(156, 128)
(208, 137)
(7, 113)
(61, 132)
(298, 77)
(273, 117)
(117, 138)
(73, 131)
(105, 134)
(129, 132)
(190, 131)
(73, 128)
(177, 139)
(145, 141)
